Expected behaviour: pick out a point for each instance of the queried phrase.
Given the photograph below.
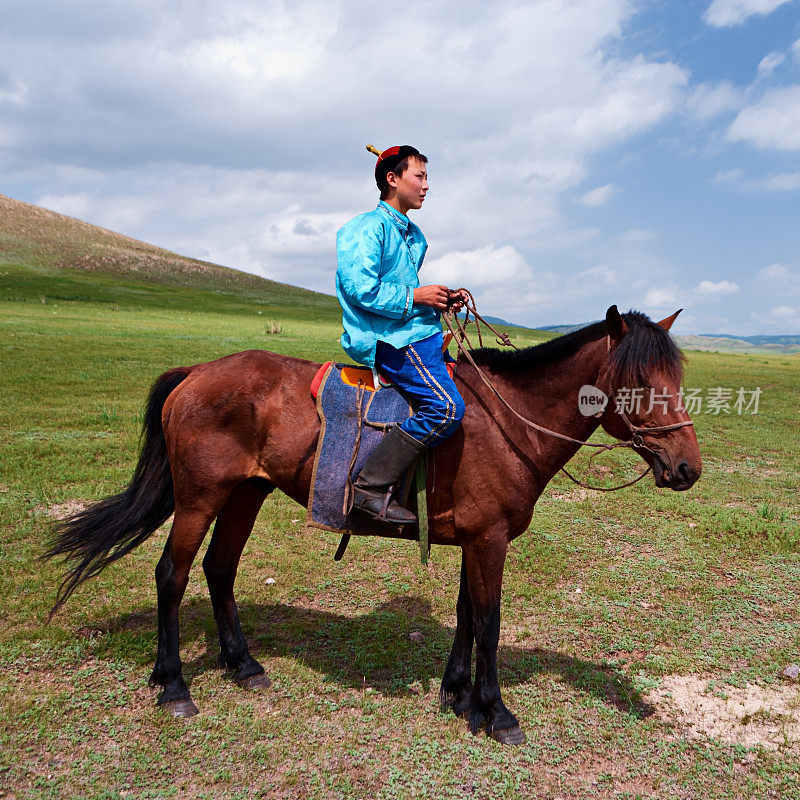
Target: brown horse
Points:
(220, 436)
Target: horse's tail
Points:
(111, 528)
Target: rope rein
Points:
(458, 330)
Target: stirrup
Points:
(387, 498)
(388, 502)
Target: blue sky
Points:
(582, 152)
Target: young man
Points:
(391, 324)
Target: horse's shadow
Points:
(374, 649)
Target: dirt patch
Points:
(572, 496)
(751, 716)
(67, 509)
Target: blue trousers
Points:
(419, 371)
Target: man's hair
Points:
(398, 169)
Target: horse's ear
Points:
(615, 325)
(666, 323)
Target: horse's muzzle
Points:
(680, 478)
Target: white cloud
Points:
(728, 13)
(781, 182)
(598, 196)
(770, 63)
(641, 93)
(707, 101)
(503, 281)
(661, 297)
(600, 272)
(711, 289)
(778, 271)
(483, 267)
(80, 205)
(782, 319)
(735, 175)
(773, 121)
(15, 95)
(686, 324)
(778, 280)
(259, 83)
(636, 236)
(778, 320)
(777, 182)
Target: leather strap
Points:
(342, 547)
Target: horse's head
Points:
(642, 377)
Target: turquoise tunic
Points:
(380, 254)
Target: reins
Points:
(458, 330)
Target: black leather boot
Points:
(372, 489)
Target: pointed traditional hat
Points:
(388, 159)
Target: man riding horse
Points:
(391, 324)
(219, 437)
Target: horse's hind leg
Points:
(456, 690)
(233, 528)
(172, 574)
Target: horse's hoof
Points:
(513, 736)
(461, 707)
(182, 709)
(255, 682)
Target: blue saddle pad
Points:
(337, 405)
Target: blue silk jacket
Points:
(380, 254)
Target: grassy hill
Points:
(609, 600)
(47, 256)
(53, 242)
(768, 345)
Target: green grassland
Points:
(606, 598)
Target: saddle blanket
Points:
(348, 409)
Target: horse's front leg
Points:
(456, 690)
(484, 562)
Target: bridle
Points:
(457, 328)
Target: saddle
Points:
(354, 413)
(350, 376)
(360, 376)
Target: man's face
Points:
(412, 186)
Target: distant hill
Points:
(726, 343)
(503, 322)
(567, 328)
(778, 339)
(717, 342)
(57, 244)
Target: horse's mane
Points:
(645, 347)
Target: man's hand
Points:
(435, 296)
(440, 297)
(456, 300)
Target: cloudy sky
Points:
(582, 152)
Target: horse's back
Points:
(249, 414)
(251, 376)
